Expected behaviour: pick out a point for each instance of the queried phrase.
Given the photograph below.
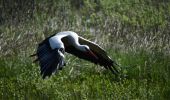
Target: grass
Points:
(139, 45)
(20, 79)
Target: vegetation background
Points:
(135, 33)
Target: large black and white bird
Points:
(50, 52)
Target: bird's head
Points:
(87, 50)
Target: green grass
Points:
(138, 40)
(20, 79)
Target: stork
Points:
(50, 52)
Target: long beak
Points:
(94, 55)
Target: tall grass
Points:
(138, 40)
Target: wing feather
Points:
(49, 59)
(103, 58)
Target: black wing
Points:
(50, 60)
(102, 60)
(72, 50)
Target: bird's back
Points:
(66, 33)
(56, 40)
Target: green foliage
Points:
(135, 34)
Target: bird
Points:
(50, 52)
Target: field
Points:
(135, 34)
